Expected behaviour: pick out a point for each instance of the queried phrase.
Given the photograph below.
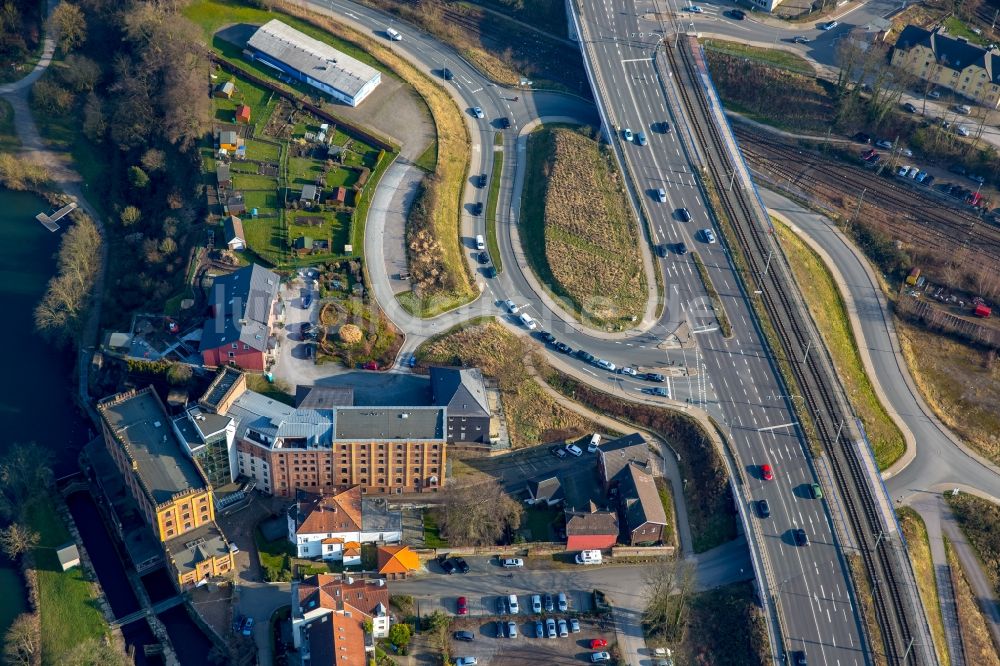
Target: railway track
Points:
(823, 398)
(917, 217)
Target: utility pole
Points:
(995, 16)
(767, 265)
(732, 179)
(808, 346)
(857, 210)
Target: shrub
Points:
(350, 334)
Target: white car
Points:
(631, 372)
(709, 235)
(466, 661)
(606, 365)
(512, 604)
(903, 170)
(961, 131)
(478, 112)
(574, 450)
(934, 94)
(661, 195)
(512, 563)
(511, 306)
(536, 603)
(600, 656)
(829, 25)
(627, 133)
(906, 152)
(527, 321)
(694, 9)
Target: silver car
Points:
(563, 628)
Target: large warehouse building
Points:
(309, 60)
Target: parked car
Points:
(574, 450)
(910, 108)
(563, 628)
(658, 391)
(511, 306)
(512, 601)
(446, 565)
(512, 629)
(477, 208)
(934, 94)
(466, 661)
(463, 636)
(584, 356)
(307, 301)
(558, 452)
(600, 657)
(884, 143)
(903, 170)
(527, 321)
(861, 137)
(574, 625)
(461, 565)
(962, 109)
(512, 563)
(549, 604)
(238, 623)
(536, 603)
(483, 257)
(598, 643)
(462, 606)
(595, 441)
(605, 365)
(547, 337)
(627, 134)
(561, 602)
(550, 628)
(563, 348)
(248, 627)
(539, 629)
(961, 130)
(829, 25)
(631, 372)
(499, 627)
(501, 606)
(370, 365)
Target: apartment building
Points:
(170, 489)
(950, 62)
(322, 445)
(328, 619)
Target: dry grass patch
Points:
(533, 416)
(976, 638)
(980, 522)
(959, 383)
(578, 230)
(828, 310)
(919, 549)
(443, 214)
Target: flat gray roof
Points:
(198, 545)
(311, 57)
(141, 423)
(372, 423)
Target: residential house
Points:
(327, 524)
(626, 470)
(313, 62)
(222, 176)
(591, 529)
(395, 562)
(233, 229)
(463, 392)
(309, 196)
(326, 444)
(244, 311)
(548, 491)
(950, 62)
(243, 114)
(339, 196)
(328, 619)
(170, 488)
(225, 90)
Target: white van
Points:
(527, 321)
(393, 35)
(595, 441)
(589, 557)
(480, 243)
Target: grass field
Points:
(956, 383)
(976, 637)
(263, 150)
(246, 182)
(260, 100)
(266, 236)
(957, 28)
(980, 522)
(919, 550)
(577, 229)
(69, 611)
(774, 57)
(533, 416)
(491, 211)
(828, 310)
(432, 533)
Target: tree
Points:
(80, 73)
(179, 374)
(168, 246)
(478, 513)
(154, 160)
(52, 97)
(23, 641)
(400, 634)
(93, 652)
(17, 539)
(20, 172)
(61, 311)
(130, 215)
(95, 125)
(69, 24)
(138, 178)
(669, 585)
(24, 473)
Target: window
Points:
(236, 345)
(246, 347)
(232, 354)
(187, 526)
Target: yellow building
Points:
(950, 62)
(169, 487)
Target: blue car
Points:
(248, 627)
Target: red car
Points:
(463, 606)
(767, 472)
(598, 643)
(370, 365)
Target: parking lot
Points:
(526, 648)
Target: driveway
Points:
(293, 366)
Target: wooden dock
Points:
(49, 221)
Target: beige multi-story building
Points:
(324, 444)
(168, 486)
(950, 62)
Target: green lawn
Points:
(70, 613)
(266, 237)
(260, 100)
(263, 150)
(428, 159)
(242, 181)
(263, 201)
(336, 229)
(432, 534)
(275, 557)
(341, 177)
(774, 57)
(491, 211)
(303, 171)
(538, 521)
(667, 499)
(957, 28)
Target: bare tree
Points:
(23, 641)
(17, 539)
(478, 514)
(62, 307)
(69, 24)
(93, 652)
(24, 472)
(669, 585)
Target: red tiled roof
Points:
(590, 542)
(330, 591)
(326, 514)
